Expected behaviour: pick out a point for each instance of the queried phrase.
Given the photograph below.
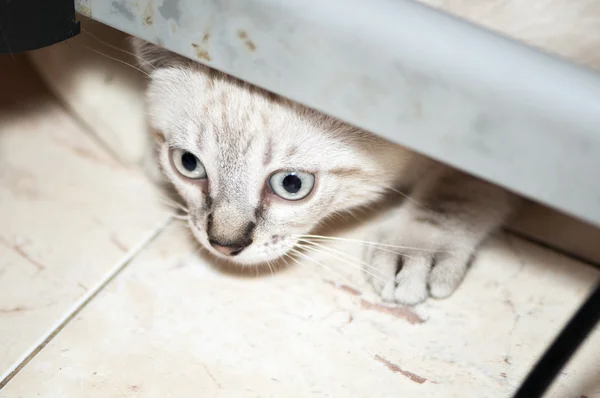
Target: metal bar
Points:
(563, 348)
(433, 83)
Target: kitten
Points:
(256, 171)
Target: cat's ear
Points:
(151, 57)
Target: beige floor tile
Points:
(172, 326)
(68, 212)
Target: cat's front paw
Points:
(413, 262)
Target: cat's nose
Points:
(229, 249)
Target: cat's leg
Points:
(437, 233)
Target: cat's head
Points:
(256, 171)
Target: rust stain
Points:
(398, 312)
(251, 46)
(349, 289)
(208, 372)
(201, 53)
(20, 251)
(249, 43)
(345, 288)
(507, 361)
(118, 243)
(149, 13)
(13, 310)
(206, 37)
(85, 10)
(397, 369)
(25, 255)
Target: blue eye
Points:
(292, 185)
(188, 165)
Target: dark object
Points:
(561, 350)
(31, 24)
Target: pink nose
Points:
(228, 250)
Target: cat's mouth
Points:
(253, 256)
(256, 253)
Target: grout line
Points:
(82, 303)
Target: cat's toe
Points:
(382, 272)
(447, 274)
(411, 280)
(401, 279)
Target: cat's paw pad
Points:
(411, 277)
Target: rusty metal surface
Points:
(440, 86)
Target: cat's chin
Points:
(247, 261)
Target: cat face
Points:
(255, 171)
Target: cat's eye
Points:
(292, 185)
(187, 164)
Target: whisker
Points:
(284, 258)
(294, 259)
(383, 249)
(346, 261)
(180, 217)
(270, 268)
(117, 59)
(341, 253)
(117, 48)
(170, 205)
(173, 204)
(407, 197)
(367, 243)
(322, 265)
(277, 258)
(332, 218)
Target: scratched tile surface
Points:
(173, 326)
(68, 212)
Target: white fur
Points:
(183, 105)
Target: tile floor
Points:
(102, 295)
